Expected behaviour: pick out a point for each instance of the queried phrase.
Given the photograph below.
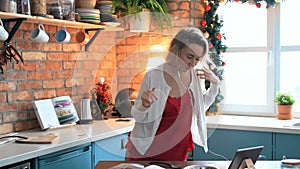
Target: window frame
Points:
(273, 68)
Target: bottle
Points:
(13, 6)
(25, 5)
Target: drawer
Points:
(110, 149)
(74, 158)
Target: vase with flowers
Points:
(102, 95)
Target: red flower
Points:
(102, 95)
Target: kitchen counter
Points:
(67, 137)
(80, 134)
(253, 123)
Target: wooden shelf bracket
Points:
(93, 37)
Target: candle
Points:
(101, 80)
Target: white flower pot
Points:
(140, 22)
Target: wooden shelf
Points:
(58, 22)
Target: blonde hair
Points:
(184, 38)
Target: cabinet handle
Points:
(123, 143)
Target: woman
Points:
(169, 111)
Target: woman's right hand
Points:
(148, 97)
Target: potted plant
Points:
(140, 11)
(284, 103)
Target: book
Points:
(56, 112)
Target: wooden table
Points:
(218, 164)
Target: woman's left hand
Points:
(207, 74)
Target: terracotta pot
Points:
(285, 112)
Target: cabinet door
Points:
(223, 143)
(110, 149)
(287, 145)
(75, 158)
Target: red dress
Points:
(173, 139)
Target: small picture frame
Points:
(245, 158)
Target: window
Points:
(290, 50)
(262, 57)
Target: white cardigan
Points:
(147, 120)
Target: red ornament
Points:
(203, 23)
(210, 46)
(223, 63)
(236, 0)
(258, 5)
(207, 7)
(218, 36)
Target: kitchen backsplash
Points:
(55, 69)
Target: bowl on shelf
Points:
(85, 3)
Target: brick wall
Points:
(135, 48)
(53, 69)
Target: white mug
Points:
(3, 33)
(63, 36)
(39, 35)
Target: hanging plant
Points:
(211, 26)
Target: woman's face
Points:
(190, 56)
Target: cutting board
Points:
(43, 139)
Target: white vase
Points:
(140, 22)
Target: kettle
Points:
(85, 113)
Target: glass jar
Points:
(25, 7)
(13, 6)
(38, 7)
(68, 9)
(54, 9)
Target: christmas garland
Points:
(211, 25)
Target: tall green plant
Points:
(158, 8)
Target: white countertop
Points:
(253, 123)
(68, 137)
(80, 134)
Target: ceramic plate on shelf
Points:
(87, 10)
(89, 14)
(105, 2)
(112, 24)
(89, 18)
(91, 21)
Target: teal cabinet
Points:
(74, 158)
(110, 149)
(223, 143)
(286, 145)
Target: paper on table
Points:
(135, 166)
(154, 167)
(128, 165)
